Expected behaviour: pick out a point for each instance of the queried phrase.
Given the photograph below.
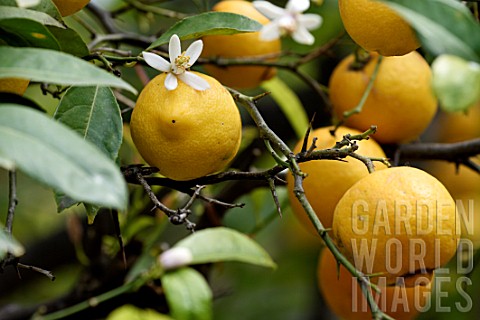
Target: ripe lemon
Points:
(69, 7)
(403, 217)
(344, 296)
(401, 102)
(14, 85)
(245, 45)
(186, 133)
(328, 180)
(376, 27)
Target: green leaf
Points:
(223, 244)
(188, 295)
(443, 26)
(456, 82)
(48, 7)
(27, 33)
(9, 244)
(7, 13)
(53, 154)
(93, 112)
(209, 23)
(129, 312)
(50, 66)
(289, 103)
(70, 41)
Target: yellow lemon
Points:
(247, 45)
(14, 85)
(69, 7)
(344, 296)
(186, 133)
(400, 222)
(328, 180)
(401, 102)
(376, 27)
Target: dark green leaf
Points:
(20, 13)
(55, 67)
(289, 103)
(9, 244)
(53, 154)
(70, 41)
(93, 112)
(456, 82)
(27, 33)
(223, 244)
(443, 26)
(188, 294)
(209, 23)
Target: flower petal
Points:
(174, 50)
(194, 81)
(301, 35)
(297, 5)
(269, 10)
(194, 51)
(270, 31)
(156, 62)
(171, 82)
(310, 20)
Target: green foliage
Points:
(9, 245)
(443, 26)
(223, 244)
(54, 67)
(129, 312)
(209, 23)
(56, 156)
(188, 294)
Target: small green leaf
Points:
(443, 26)
(290, 104)
(129, 312)
(223, 244)
(188, 295)
(27, 33)
(70, 41)
(7, 12)
(56, 156)
(456, 82)
(50, 66)
(9, 244)
(209, 23)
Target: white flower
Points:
(179, 63)
(175, 258)
(289, 21)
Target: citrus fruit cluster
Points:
(248, 45)
(398, 223)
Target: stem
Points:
(12, 201)
(366, 93)
(156, 10)
(92, 302)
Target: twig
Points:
(130, 38)
(46, 273)
(118, 234)
(12, 201)
(156, 10)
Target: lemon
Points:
(399, 222)
(401, 103)
(328, 180)
(376, 27)
(14, 85)
(186, 133)
(69, 7)
(247, 45)
(344, 296)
